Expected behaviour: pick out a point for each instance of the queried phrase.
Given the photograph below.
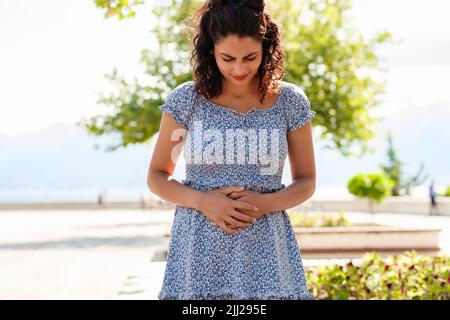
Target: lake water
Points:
(130, 194)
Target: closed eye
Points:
(248, 59)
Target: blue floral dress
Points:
(263, 261)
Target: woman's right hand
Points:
(221, 210)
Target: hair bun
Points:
(256, 5)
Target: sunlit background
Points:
(54, 55)
(57, 241)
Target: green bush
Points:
(447, 192)
(304, 220)
(372, 186)
(398, 277)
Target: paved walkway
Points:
(108, 254)
(144, 282)
(75, 254)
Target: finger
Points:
(233, 188)
(243, 217)
(245, 205)
(227, 229)
(236, 223)
(241, 192)
(228, 190)
(235, 195)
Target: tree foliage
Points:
(324, 55)
(393, 169)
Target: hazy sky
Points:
(54, 54)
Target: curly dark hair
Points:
(219, 18)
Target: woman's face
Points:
(238, 57)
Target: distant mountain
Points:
(419, 135)
(63, 157)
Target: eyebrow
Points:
(244, 57)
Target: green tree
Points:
(372, 186)
(394, 171)
(324, 55)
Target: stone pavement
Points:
(145, 282)
(75, 254)
(109, 253)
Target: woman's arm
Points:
(163, 162)
(214, 204)
(303, 172)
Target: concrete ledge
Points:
(391, 204)
(352, 241)
(86, 205)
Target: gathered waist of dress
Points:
(254, 187)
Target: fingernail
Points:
(256, 208)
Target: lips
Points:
(240, 77)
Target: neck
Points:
(239, 91)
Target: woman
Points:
(231, 236)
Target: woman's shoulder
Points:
(179, 102)
(183, 89)
(297, 106)
(182, 95)
(294, 91)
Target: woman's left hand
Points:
(252, 197)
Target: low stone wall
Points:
(87, 205)
(353, 241)
(389, 205)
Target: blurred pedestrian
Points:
(100, 200)
(433, 204)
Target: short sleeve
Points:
(298, 108)
(179, 103)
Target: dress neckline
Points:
(252, 109)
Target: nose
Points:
(239, 71)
